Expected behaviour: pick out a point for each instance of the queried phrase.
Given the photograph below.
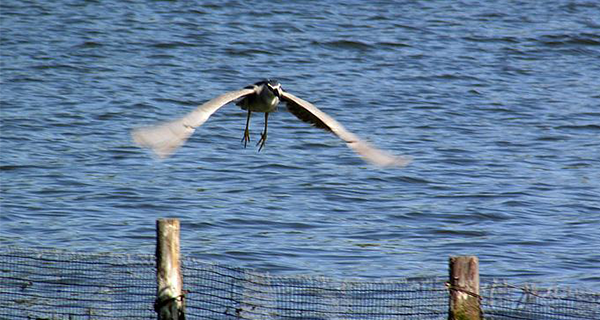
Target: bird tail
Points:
(163, 139)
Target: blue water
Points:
(498, 103)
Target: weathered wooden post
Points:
(170, 304)
(464, 289)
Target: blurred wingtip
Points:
(400, 161)
(377, 157)
(391, 161)
(163, 139)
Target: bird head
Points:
(274, 86)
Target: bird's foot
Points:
(246, 137)
(262, 141)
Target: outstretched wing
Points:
(307, 112)
(166, 137)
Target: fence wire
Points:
(64, 285)
(241, 294)
(501, 300)
(57, 285)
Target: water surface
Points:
(497, 102)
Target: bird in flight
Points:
(264, 96)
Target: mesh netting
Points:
(505, 301)
(242, 294)
(62, 285)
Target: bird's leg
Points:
(263, 136)
(246, 136)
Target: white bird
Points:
(263, 96)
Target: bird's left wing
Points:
(307, 112)
(166, 137)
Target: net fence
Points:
(43, 284)
(501, 300)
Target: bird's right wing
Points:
(307, 112)
(166, 137)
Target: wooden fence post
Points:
(169, 297)
(464, 289)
